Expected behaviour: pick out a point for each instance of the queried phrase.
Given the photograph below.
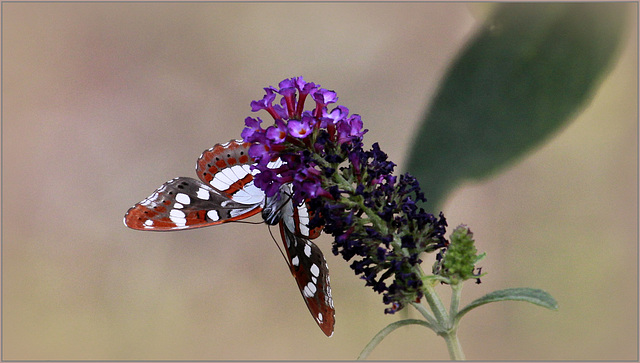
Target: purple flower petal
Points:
(299, 128)
(305, 87)
(325, 97)
(265, 102)
(253, 132)
(277, 133)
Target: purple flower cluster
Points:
(372, 214)
(297, 137)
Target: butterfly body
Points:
(298, 216)
(225, 193)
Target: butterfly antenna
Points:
(277, 245)
(248, 222)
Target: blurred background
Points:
(103, 102)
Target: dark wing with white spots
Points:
(184, 203)
(311, 272)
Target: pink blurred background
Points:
(103, 102)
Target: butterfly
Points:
(226, 193)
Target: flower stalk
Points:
(453, 345)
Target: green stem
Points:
(447, 328)
(436, 306)
(386, 331)
(453, 345)
(456, 292)
(427, 315)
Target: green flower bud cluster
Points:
(457, 262)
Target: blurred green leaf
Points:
(534, 296)
(526, 73)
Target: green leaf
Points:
(386, 331)
(525, 74)
(534, 296)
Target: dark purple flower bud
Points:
(407, 241)
(381, 253)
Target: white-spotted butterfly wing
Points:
(311, 272)
(305, 259)
(226, 193)
(184, 203)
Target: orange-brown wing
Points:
(226, 167)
